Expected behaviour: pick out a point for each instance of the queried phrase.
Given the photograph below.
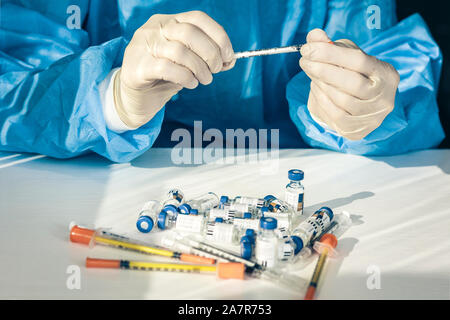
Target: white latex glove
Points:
(167, 53)
(351, 91)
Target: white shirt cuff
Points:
(106, 90)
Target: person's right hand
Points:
(167, 53)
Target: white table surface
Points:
(401, 208)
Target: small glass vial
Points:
(294, 193)
(274, 204)
(306, 231)
(283, 218)
(225, 213)
(267, 242)
(167, 218)
(252, 202)
(148, 216)
(203, 203)
(224, 233)
(174, 197)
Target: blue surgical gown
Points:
(50, 72)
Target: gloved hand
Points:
(351, 91)
(167, 53)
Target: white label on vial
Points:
(247, 223)
(306, 231)
(249, 201)
(220, 232)
(294, 199)
(266, 252)
(189, 223)
(239, 207)
(285, 251)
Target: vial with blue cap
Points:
(294, 192)
(276, 205)
(287, 247)
(283, 218)
(167, 218)
(202, 203)
(267, 242)
(253, 202)
(247, 242)
(226, 203)
(174, 197)
(309, 229)
(221, 232)
(148, 216)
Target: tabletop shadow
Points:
(426, 158)
(343, 201)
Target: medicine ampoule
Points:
(283, 218)
(311, 227)
(202, 203)
(224, 233)
(267, 242)
(294, 192)
(253, 203)
(227, 213)
(148, 216)
(167, 218)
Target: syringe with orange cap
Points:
(325, 247)
(224, 270)
(91, 237)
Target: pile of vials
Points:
(267, 229)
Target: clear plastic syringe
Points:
(265, 52)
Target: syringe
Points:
(224, 270)
(265, 52)
(90, 237)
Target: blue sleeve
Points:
(414, 123)
(49, 98)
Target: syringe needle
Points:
(265, 52)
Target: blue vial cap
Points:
(246, 248)
(247, 215)
(328, 211)
(224, 199)
(251, 234)
(184, 208)
(268, 223)
(295, 175)
(219, 220)
(194, 211)
(162, 220)
(298, 244)
(269, 198)
(170, 208)
(264, 210)
(144, 224)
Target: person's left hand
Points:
(351, 91)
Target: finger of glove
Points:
(196, 40)
(180, 54)
(351, 82)
(348, 103)
(167, 70)
(317, 35)
(349, 58)
(350, 127)
(214, 30)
